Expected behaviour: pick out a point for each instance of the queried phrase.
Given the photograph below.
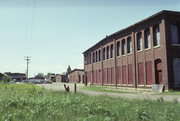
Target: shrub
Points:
(5, 79)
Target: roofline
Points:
(76, 70)
(133, 25)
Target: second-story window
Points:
(129, 45)
(118, 48)
(123, 47)
(139, 41)
(175, 34)
(89, 58)
(112, 51)
(93, 57)
(104, 53)
(96, 56)
(99, 55)
(107, 52)
(147, 40)
(156, 37)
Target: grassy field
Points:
(171, 92)
(31, 103)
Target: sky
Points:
(55, 33)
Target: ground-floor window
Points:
(109, 75)
(149, 72)
(158, 71)
(140, 74)
(176, 70)
(105, 76)
(124, 75)
(119, 75)
(130, 74)
(112, 76)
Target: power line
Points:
(27, 58)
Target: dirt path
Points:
(138, 95)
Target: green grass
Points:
(171, 92)
(104, 89)
(31, 103)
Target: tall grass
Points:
(30, 103)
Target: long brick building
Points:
(143, 54)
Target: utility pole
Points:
(27, 58)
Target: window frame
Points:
(129, 45)
(123, 48)
(111, 51)
(156, 41)
(118, 51)
(147, 39)
(139, 41)
(107, 52)
(178, 33)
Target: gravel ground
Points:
(139, 95)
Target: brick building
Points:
(18, 77)
(76, 75)
(61, 78)
(143, 54)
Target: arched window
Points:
(93, 57)
(107, 52)
(104, 53)
(156, 37)
(139, 41)
(118, 48)
(129, 45)
(90, 58)
(123, 47)
(112, 50)
(96, 56)
(147, 40)
(99, 55)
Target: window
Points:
(156, 33)
(129, 45)
(175, 34)
(118, 48)
(140, 74)
(90, 58)
(176, 70)
(147, 40)
(85, 59)
(93, 57)
(96, 56)
(112, 49)
(149, 73)
(104, 53)
(99, 55)
(123, 47)
(130, 74)
(107, 52)
(139, 41)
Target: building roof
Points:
(131, 26)
(15, 74)
(1, 74)
(76, 70)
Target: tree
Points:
(5, 79)
(68, 70)
(40, 76)
(46, 76)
